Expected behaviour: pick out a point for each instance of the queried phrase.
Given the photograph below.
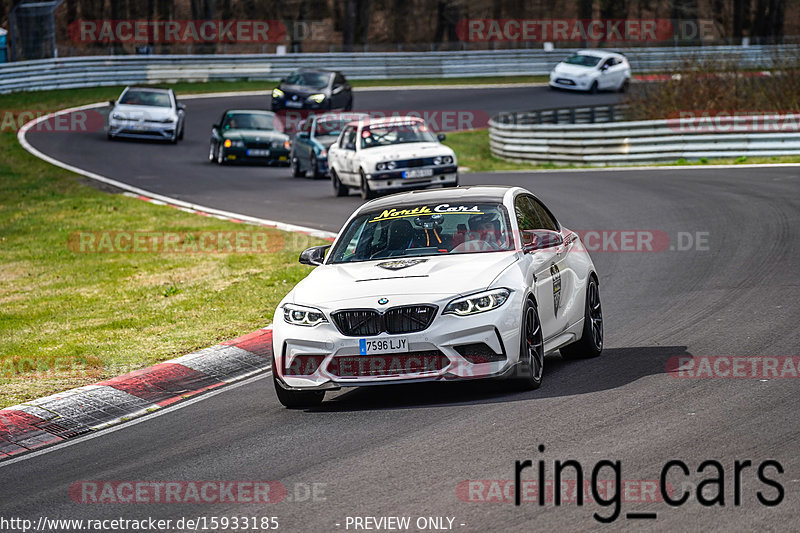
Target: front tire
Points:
(212, 152)
(297, 399)
(296, 172)
(593, 88)
(531, 349)
(314, 165)
(220, 155)
(591, 341)
(366, 192)
(625, 86)
(339, 189)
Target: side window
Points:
(546, 220)
(348, 137)
(526, 217)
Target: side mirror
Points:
(441, 136)
(112, 103)
(314, 256)
(540, 239)
(605, 67)
(303, 135)
(182, 107)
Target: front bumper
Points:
(142, 129)
(322, 358)
(299, 104)
(243, 155)
(575, 84)
(446, 176)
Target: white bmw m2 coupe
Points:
(435, 285)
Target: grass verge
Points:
(69, 319)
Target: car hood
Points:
(572, 70)
(302, 90)
(453, 275)
(405, 151)
(138, 112)
(249, 135)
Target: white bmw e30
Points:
(447, 284)
(390, 154)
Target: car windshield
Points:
(395, 133)
(249, 121)
(424, 230)
(582, 60)
(148, 98)
(315, 80)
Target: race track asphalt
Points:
(402, 451)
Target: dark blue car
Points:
(314, 136)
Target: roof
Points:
(476, 193)
(373, 121)
(254, 111)
(150, 89)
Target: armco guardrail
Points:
(563, 115)
(121, 70)
(649, 141)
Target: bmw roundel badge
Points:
(383, 301)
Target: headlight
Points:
(477, 303)
(323, 153)
(287, 144)
(168, 120)
(437, 160)
(317, 98)
(303, 316)
(118, 116)
(236, 144)
(277, 93)
(388, 165)
(447, 159)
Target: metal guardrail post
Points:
(572, 115)
(611, 113)
(591, 115)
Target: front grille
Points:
(479, 353)
(260, 144)
(414, 163)
(358, 323)
(368, 322)
(408, 319)
(388, 364)
(565, 81)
